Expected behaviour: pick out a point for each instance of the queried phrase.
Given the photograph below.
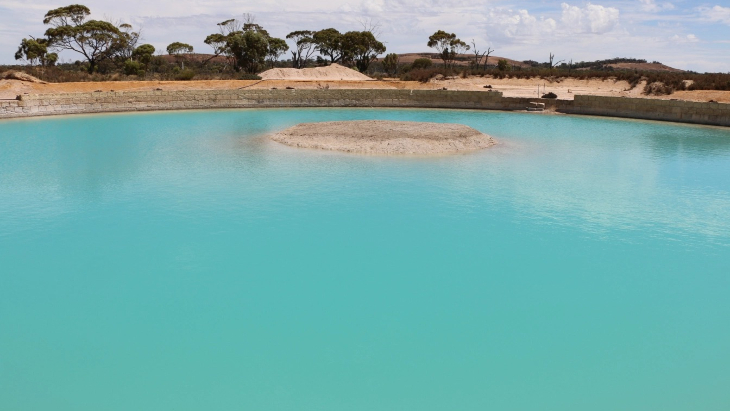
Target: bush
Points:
(249, 76)
(424, 75)
(550, 95)
(503, 65)
(422, 63)
(185, 75)
(133, 68)
(390, 63)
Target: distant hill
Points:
(656, 66)
(461, 59)
(625, 64)
(611, 64)
(466, 59)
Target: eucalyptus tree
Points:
(304, 47)
(144, 54)
(447, 45)
(93, 39)
(35, 51)
(390, 63)
(245, 43)
(361, 48)
(277, 47)
(179, 50)
(329, 44)
(126, 42)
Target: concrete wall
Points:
(51, 104)
(652, 109)
(73, 103)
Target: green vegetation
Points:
(503, 65)
(390, 64)
(245, 44)
(242, 48)
(94, 39)
(447, 45)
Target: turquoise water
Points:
(180, 261)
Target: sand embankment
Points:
(333, 72)
(385, 137)
(566, 89)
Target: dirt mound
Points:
(645, 67)
(385, 137)
(332, 72)
(19, 75)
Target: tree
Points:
(448, 46)
(361, 48)
(143, 54)
(245, 43)
(479, 56)
(126, 42)
(94, 39)
(304, 47)
(277, 47)
(35, 51)
(552, 65)
(179, 50)
(390, 63)
(421, 63)
(503, 65)
(329, 44)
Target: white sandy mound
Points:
(19, 75)
(385, 137)
(331, 73)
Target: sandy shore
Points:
(566, 89)
(385, 137)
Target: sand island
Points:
(385, 137)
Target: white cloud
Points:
(717, 14)
(653, 6)
(590, 19)
(520, 25)
(689, 38)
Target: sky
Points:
(691, 35)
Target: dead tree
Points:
(486, 54)
(552, 65)
(477, 55)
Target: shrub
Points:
(133, 68)
(424, 75)
(249, 76)
(390, 63)
(422, 63)
(185, 75)
(503, 65)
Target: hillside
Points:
(461, 59)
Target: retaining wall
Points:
(652, 109)
(29, 105)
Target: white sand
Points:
(333, 72)
(385, 137)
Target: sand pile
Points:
(385, 137)
(13, 83)
(332, 72)
(19, 75)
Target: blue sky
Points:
(693, 35)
